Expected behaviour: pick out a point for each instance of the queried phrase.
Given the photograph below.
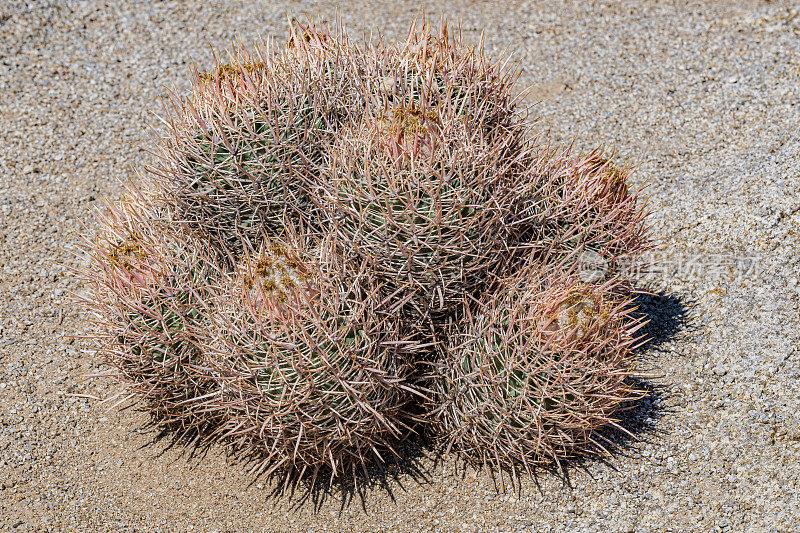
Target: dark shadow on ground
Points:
(666, 315)
(407, 463)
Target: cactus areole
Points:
(339, 245)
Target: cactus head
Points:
(532, 377)
(317, 379)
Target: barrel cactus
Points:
(311, 366)
(150, 308)
(535, 370)
(339, 245)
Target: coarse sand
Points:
(703, 96)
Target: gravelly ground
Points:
(703, 96)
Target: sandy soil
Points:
(703, 96)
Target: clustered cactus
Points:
(339, 245)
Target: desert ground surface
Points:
(703, 96)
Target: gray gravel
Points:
(702, 96)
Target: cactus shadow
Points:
(408, 464)
(639, 420)
(666, 316)
(192, 445)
